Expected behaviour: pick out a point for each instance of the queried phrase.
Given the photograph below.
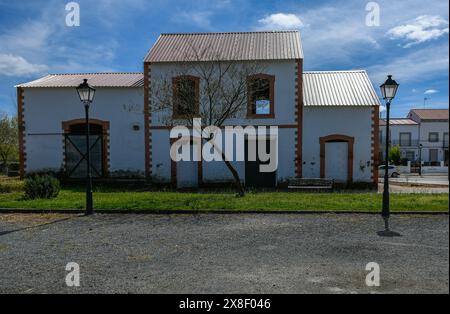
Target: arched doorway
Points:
(336, 157)
(75, 148)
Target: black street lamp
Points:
(86, 93)
(388, 91)
(420, 159)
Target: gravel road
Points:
(222, 253)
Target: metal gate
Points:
(75, 161)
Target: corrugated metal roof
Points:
(402, 121)
(94, 79)
(431, 114)
(238, 46)
(338, 88)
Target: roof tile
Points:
(238, 46)
(94, 79)
(431, 114)
(338, 88)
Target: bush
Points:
(41, 186)
(13, 169)
(395, 155)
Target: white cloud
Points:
(13, 65)
(431, 91)
(200, 19)
(416, 66)
(46, 44)
(280, 21)
(421, 29)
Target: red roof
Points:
(430, 114)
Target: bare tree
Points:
(215, 90)
(9, 145)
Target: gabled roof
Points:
(338, 88)
(430, 114)
(238, 46)
(401, 121)
(94, 79)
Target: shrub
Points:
(41, 186)
(395, 155)
(13, 169)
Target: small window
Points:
(405, 139)
(185, 96)
(261, 96)
(411, 155)
(433, 137)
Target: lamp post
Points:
(420, 159)
(86, 93)
(388, 91)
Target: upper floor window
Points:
(185, 96)
(261, 95)
(433, 137)
(405, 139)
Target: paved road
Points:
(400, 188)
(441, 180)
(222, 253)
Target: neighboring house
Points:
(423, 135)
(328, 121)
(404, 133)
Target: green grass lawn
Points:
(107, 199)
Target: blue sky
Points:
(411, 41)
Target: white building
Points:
(327, 121)
(423, 135)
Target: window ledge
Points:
(261, 116)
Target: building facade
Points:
(422, 137)
(327, 121)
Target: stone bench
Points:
(310, 184)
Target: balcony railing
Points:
(405, 143)
(415, 143)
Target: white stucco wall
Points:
(427, 127)
(285, 108)
(217, 171)
(46, 108)
(285, 88)
(350, 121)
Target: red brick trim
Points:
(106, 146)
(271, 79)
(375, 143)
(200, 172)
(173, 167)
(299, 118)
(337, 138)
(147, 120)
(21, 127)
